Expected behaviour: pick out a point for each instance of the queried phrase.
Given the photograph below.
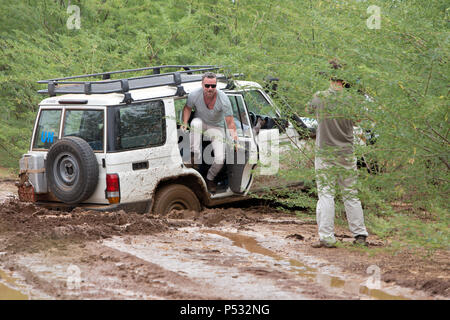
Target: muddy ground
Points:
(246, 252)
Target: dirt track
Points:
(233, 253)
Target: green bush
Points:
(403, 66)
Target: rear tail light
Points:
(112, 188)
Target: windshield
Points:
(258, 104)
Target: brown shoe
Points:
(211, 185)
(361, 240)
(323, 244)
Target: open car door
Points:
(242, 161)
(275, 136)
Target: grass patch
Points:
(405, 227)
(407, 230)
(307, 214)
(290, 199)
(6, 173)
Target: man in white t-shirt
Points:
(212, 110)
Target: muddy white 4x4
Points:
(116, 144)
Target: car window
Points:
(140, 125)
(240, 116)
(85, 124)
(47, 131)
(258, 104)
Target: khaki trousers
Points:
(328, 173)
(217, 136)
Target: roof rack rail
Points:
(190, 73)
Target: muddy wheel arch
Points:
(193, 183)
(175, 197)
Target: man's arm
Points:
(231, 127)
(186, 114)
(313, 105)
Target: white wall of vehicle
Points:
(99, 194)
(108, 99)
(164, 161)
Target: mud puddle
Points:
(253, 252)
(237, 266)
(8, 288)
(230, 273)
(250, 244)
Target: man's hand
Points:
(232, 129)
(186, 114)
(235, 142)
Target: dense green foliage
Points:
(403, 66)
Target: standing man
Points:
(335, 163)
(212, 106)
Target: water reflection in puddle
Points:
(7, 293)
(350, 286)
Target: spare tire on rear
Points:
(72, 170)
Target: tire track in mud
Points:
(232, 277)
(207, 257)
(44, 244)
(103, 273)
(126, 255)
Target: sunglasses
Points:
(210, 86)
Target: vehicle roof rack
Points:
(190, 73)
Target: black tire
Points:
(72, 170)
(175, 197)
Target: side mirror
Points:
(281, 124)
(303, 130)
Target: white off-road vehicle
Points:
(114, 144)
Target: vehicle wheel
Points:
(175, 197)
(72, 170)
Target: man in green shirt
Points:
(335, 163)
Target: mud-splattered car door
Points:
(275, 137)
(140, 148)
(242, 160)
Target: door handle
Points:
(140, 165)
